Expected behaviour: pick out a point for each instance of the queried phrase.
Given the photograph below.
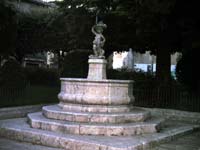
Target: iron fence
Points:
(162, 97)
(167, 97)
(10, 94)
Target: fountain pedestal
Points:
(97, 69)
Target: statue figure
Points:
(99, 40)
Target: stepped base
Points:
(95, 108)
(18, 129)
(37, 120)
(55, 112)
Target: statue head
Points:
(100, 26)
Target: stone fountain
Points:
(93, 113)
(96, 105)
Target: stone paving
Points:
(188, 142)
(6, 144)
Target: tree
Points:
(164, 27)
(21, 32)
(8, 30)
(31, 29)
(160, 26)
(175, 26)
(142, 25)
(70, 30)
(187, 69)
(156, 30)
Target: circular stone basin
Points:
(96, 92)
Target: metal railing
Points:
(10, 94)
(167, 97)
(162, 97)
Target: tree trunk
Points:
(0, 60)
(163, 65)
(60, 59)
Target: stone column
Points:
(97, 69)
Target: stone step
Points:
(37, 120)
(96, 108)
(18, 129)
(55, 112)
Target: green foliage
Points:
(30, 30)
(76, 64)
(8, 24)
(187, 71)
(141, 24)
(42, 76)
(141, 79)
(155, 24)
(163, 26)
(69, 30)
(12, 75)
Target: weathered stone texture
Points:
(55, 112)
(95, 108)
(18, 129)
(96, 92)
(37, 120)
(97, 69)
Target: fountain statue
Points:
(99, 40)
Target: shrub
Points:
(141, 79)
(187, 69)
(12, 75)
(42, 76)
(76, 64)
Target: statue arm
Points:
(93, 31)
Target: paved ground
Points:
(6, 144)
(189, 142)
